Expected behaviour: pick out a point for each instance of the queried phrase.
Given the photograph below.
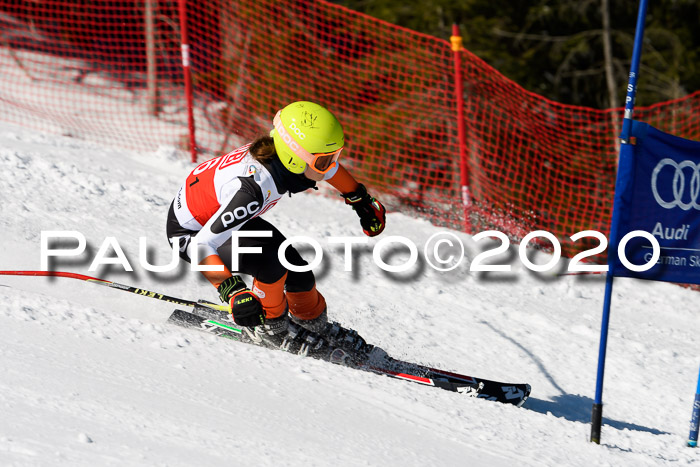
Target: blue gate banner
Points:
(658, 191)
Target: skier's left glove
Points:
(246, 308)
(372, 213)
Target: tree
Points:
(572, 51)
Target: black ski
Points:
(370, 358)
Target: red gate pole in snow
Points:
(457, 48)
(185, 46)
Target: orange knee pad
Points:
(271, 296)
(306, 305)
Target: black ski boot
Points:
(317, 325)
(271, 334)
(336, 344)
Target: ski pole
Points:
(114, 285)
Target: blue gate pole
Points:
(695, 418)
(626, 150)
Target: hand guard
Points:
(246, 308)
(372, 213)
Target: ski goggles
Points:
(319, 162)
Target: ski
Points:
(371, 359)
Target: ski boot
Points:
(271, 334)
(334, 333)
(317, 325)
(335, 344)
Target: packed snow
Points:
(95, 376)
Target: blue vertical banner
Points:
(658, 192)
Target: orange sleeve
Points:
(343, 181)
(215, 277)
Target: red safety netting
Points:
(111, 71)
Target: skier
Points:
(230, 192)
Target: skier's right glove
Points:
(246, 308)
(371, 212)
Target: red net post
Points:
(185, 47)
(457, 48)
(151, 65)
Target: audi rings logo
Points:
(678, 184)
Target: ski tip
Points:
(528, 389)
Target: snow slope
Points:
(93, 376)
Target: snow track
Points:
(94, 376)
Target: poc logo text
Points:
(229, 217)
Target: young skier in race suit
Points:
(230, 192)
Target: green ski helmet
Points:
(307, 135)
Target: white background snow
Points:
(94, 376)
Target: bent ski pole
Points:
(114, 285)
